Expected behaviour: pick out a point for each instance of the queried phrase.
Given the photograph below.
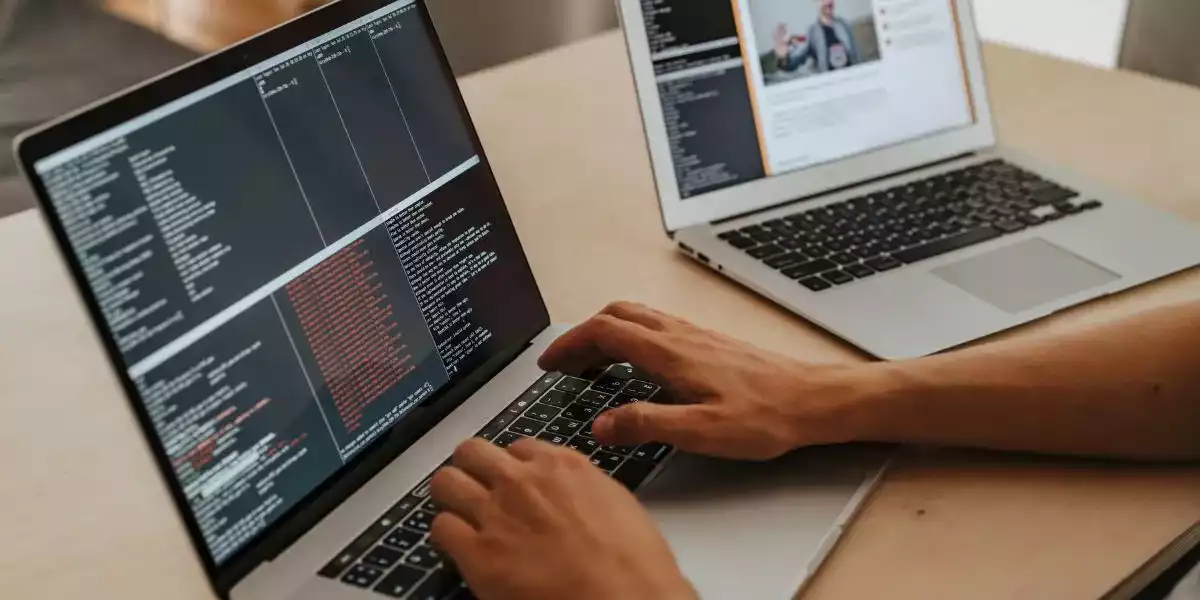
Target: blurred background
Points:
(56, 55)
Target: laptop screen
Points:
(293, 260)
(758, 88)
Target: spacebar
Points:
(950, 244)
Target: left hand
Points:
(540, 522)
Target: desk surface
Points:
(82, 510)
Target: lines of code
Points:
(178, 212)
(349, 323)
(442, 254)
(273, 328)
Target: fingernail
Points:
(603, 426)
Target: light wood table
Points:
(82, 511)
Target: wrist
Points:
(883, 401)
(855, 404)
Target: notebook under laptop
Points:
(839, 158)
(304, 274)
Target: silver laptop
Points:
(839, 157)
(306, 279)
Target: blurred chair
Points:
(483, 33)
(1162, 38)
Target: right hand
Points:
(731, 399)
(783, 41)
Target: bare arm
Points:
(1129, 389)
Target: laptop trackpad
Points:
(1025, 275)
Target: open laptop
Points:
(839, 157)
(305, 276)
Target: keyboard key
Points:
(1067, 208)
(624, 398)
(1009, 225)
(844, 259)
(642, 389)
(741, 242)
(809, 269)
(564, 426)
(520, 406)
(554, 438)
(884, 263)
(632, 473)
(542, 412)
(364, 542)
(595, 398)
(584, 445)
(424, 556)
(785, 260)
(401, 509)
(765, 251)
(580, 411)
(403, 539)
(361, 575)
(816, 284)
(546, 382)
(607, 461)
(950, 244)
(860, 271)
(652, 452)
(490, 432)
(1052, 196)
(572, 385)
(400, 582)
(557, 398)
(622, 372)
(420, 521)
(622, 450)
(837, 277)
(506, 439)
(440, 585)
(607, 384)
(341, 562)
(525, 426)
(383, 557)
(728, 235)
(1091, 205)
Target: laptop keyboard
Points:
(393, 556)
(858, 238)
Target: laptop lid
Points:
(298, 260)
(749, 104)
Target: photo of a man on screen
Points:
(829, 45)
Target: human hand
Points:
(540, 522)
(732, 400)
(782, 41)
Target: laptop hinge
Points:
(845, 187)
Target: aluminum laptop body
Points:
(304, 275)
(794, 141)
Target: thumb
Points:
(643, 422)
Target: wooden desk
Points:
(83, 512)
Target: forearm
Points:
(1130, 390)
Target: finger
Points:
(484, 462)
(529, 449)
(637, 313)
(459, 493)
(454, 536)
(603, 340)
(683, 426)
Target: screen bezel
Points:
(124, 106)
(679, 213)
